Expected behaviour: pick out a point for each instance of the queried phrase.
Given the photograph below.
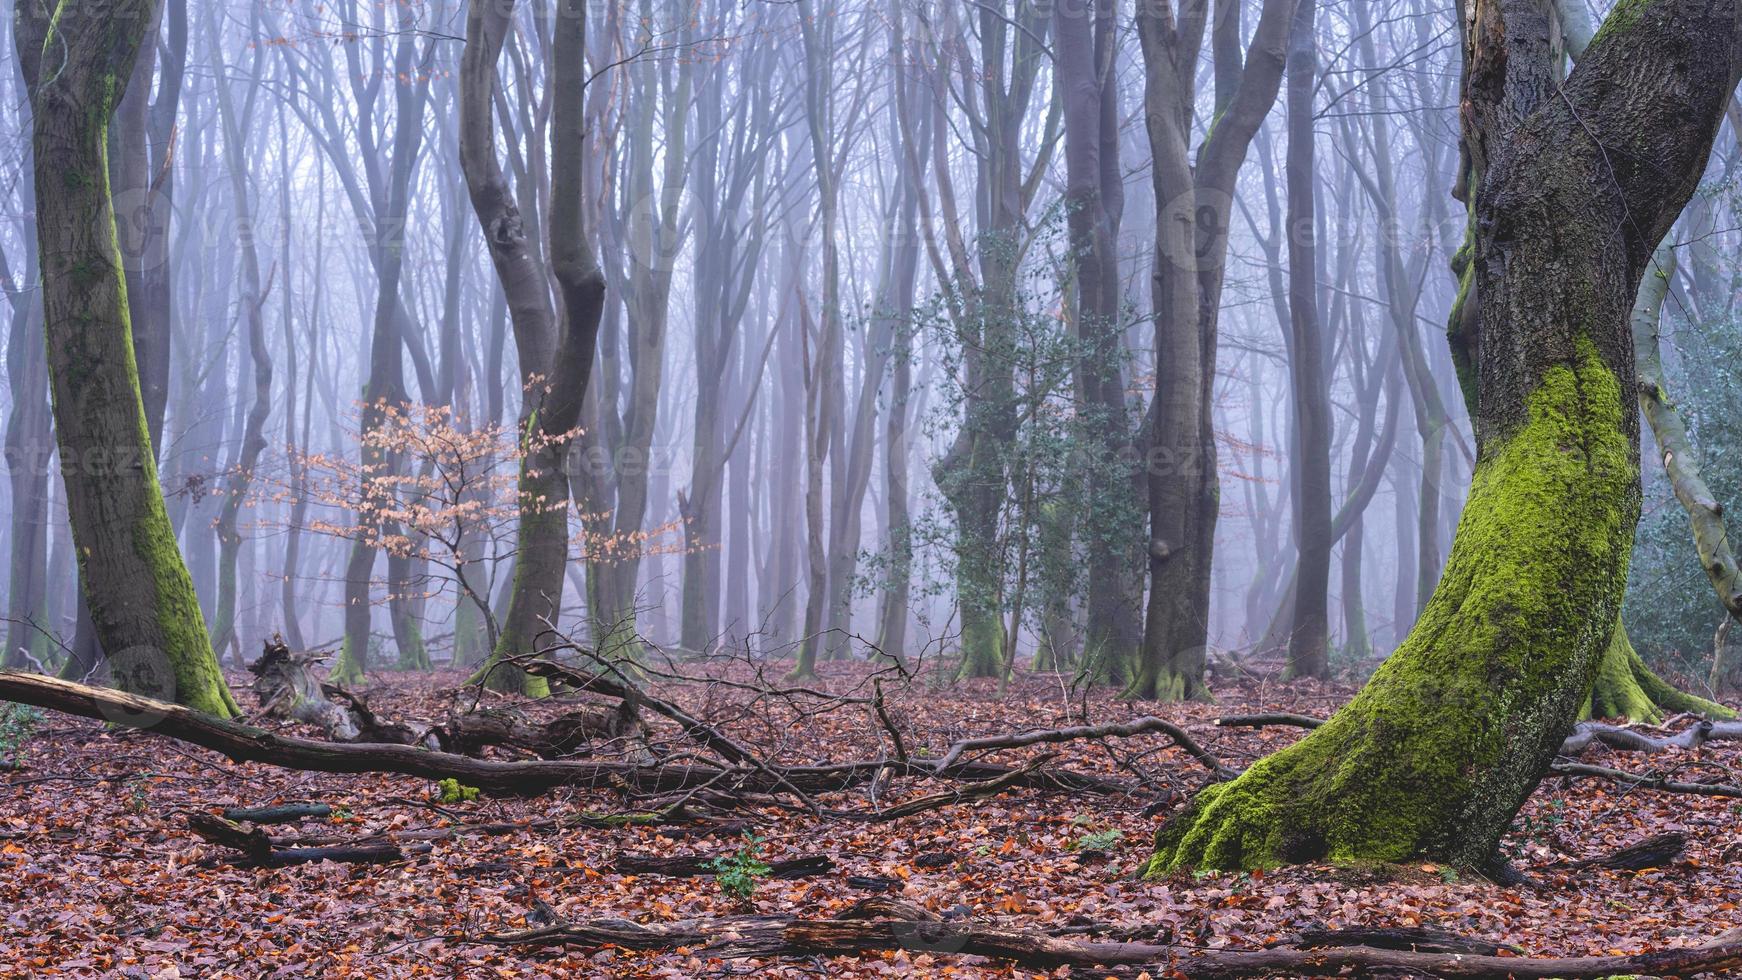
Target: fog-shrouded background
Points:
(804, 212)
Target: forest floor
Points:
(100, 875)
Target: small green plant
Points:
(1100, 840)
(453, 791)
(737, 873)
(1449, 875)
(137, 799)
(18, 723)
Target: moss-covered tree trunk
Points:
(140, 596)
(1574, 187)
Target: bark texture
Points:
(142, 603)
(1574, 188)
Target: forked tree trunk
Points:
(1437, 754)
(140, 596)
(556, 358)
(1193, 201)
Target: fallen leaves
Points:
(99, 878)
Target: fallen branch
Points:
(1268, 719)
(245, 743)
(880, 924)
(1634, 780)
(972, 791)
(696, 865)
(1633, 740)
(1137, 726)
(288, 813)
(1584, 734)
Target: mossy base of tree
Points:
(1165, 682)
(1626, 688)
(505, 678)
(413, 655)
(982, 646)
(1108, 664)
(348, 669)
(1435, 755)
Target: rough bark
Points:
(1436, 755)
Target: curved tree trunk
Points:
(140, 596)
(555, 366)
(1437, 754)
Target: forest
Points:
(792, 488)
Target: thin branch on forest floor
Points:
(1137, 726)
(882, 924)
(1645, 780)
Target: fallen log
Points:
(286, 687)
(1652, 852)
(260, 850)
(1415, 940)
(245, 743)
(697, 865)
(287, 813)
(883, 924)
(285, 684)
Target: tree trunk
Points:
(139, 593)
(250, 299)
(1309, 634)
(1193, 199)
(1094, 199)
(29, 451)
(555, 364)
(1437, 754)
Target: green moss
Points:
(453, 791)
(982, 644)
(1626, 688)
(349, 668)
(1434, 756)
(199, 683)
(1464, 267)
(1625, 14)
(413, 654)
